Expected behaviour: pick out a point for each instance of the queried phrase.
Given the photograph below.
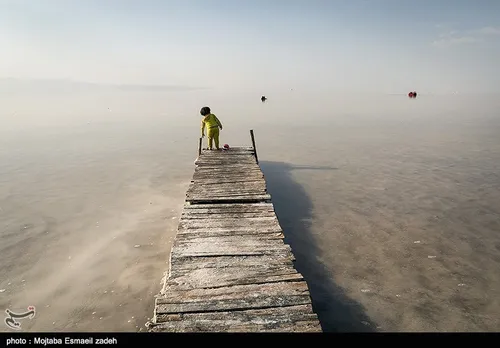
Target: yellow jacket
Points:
(209, 121)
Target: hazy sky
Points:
(391, 46)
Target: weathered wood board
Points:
(230, 270)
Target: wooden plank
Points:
(250, 195)
(224, 278)
(257, 176)
(229, 229)
(187, 254)
(264, 205)
(219, 181)
(209, 278)
(232, 264)
(204, 199)
(246, 246)
(220, 187)
(218, 233)
(230, 223)
(195, 325)
(255, 183)
(226, 171)
(183, 253)
(219, 239)
(230, 178)
(224, 194)
(277, 319)
(233, 298)
(286, 314)
(202, 209)
(222, 261)
(225, 165)
(211, 175)
(240, 230)
(234, 292)
(224, 214)
(219, 225)
(249, 177)
(230, 240)
(238, 148)
(242, 162)
(270, 223)
(226, 162)
(237, 221)
(252, 179)
(230, 152)
(188, 210)
(204, 249)
(236, 158)
(239, 215)
(228, 168)
(232, 200)
(201, 178)
(208, 181)
(253, 261)
(243, 187)
(230, 159)
(235, 149)
(226, 155)
(234, 155)
(222, 171)
(227, 192)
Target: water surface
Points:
(391, 205)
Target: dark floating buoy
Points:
(263, 98)
(412, 94)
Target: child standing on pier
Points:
(212, 123)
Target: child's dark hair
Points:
(205, 111)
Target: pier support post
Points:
(253, 144)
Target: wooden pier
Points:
(230, 270)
